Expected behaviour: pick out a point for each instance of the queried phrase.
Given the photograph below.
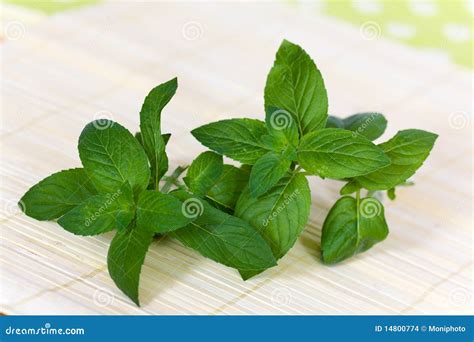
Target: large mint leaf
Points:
(295, 84)
(222, 237)
(266, 172)
(407, 151)
(351, 228)
(57, 194)
(150, 128)
(126, 256)
(371, 125)
(227, 188)
(279, 215)
(160, 213)
(337, 153)
(101, 213)
(203, 172)
(111, 156)
(239, 139)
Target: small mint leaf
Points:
(407, 151)
(57, 194)
(337, 153)
(111, 156)
(125, 258)
(150, 127)
(238, 139)
(352, 227)
(101, 213)
(295, 85)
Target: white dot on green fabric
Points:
(400, 30)
(456, 32)
(367, 6)
(424, 8)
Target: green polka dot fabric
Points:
(443, 25)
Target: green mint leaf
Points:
(370, 125)
(296, 85)
(150, 128)
(101, 213)
(337, 153)
(352, 228)
(334, 122)
(221, 237)
(126, 256)
(203, 172)
(238, 139)
(407, 151)
(160, 213)
(227, 188)
(111, 156)
(281, 214)
(57, 194)
(266, 172)
(282, 127)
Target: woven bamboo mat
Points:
(100, 61)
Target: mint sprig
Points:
(246, 217)
(303, 140)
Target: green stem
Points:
(173, 179)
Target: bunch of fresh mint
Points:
(244, 217)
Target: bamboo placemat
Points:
(100, 61)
